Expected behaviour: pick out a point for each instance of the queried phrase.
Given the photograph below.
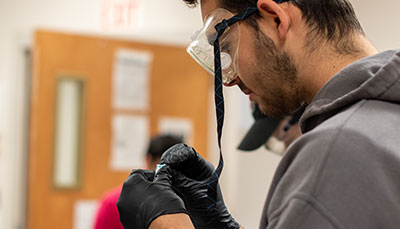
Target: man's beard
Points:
(276, 74)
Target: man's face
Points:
(266, 73)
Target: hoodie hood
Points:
(375, 77)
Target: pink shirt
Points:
(107, 216)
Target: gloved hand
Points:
(142, 200)
(191, 177)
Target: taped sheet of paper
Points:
(180, 127)
(130, 140)
(85, 214)
(131, 79)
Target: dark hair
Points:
(334, 20)
(159, 144)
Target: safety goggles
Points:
(201, 48)
(221, 27)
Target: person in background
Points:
(276, 134)
(107, 216)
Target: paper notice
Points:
(84, 214)
(130, 139)
(131, 79)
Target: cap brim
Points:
(259, 133)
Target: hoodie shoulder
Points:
(376, 77)
(336, 162)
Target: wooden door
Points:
(178, 88)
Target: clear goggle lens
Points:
(201, 48)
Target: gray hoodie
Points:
(344, 172)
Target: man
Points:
(343, 172)
(107, 216)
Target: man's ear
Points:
(269, 9)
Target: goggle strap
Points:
(219, 96)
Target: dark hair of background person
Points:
(331, 20)
(160, 143)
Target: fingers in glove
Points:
(165, 175)
(178, 154)
(142, 200)
(186, 160)
(140, 174)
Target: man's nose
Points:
(234, 82)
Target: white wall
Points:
(381, 22)
(246, 176)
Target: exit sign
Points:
(120, 15)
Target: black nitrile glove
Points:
(142, 200)
(191, 176)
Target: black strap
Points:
(219, 96)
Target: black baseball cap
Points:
(260, 131)
(263, 127)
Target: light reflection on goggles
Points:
(202, 50)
